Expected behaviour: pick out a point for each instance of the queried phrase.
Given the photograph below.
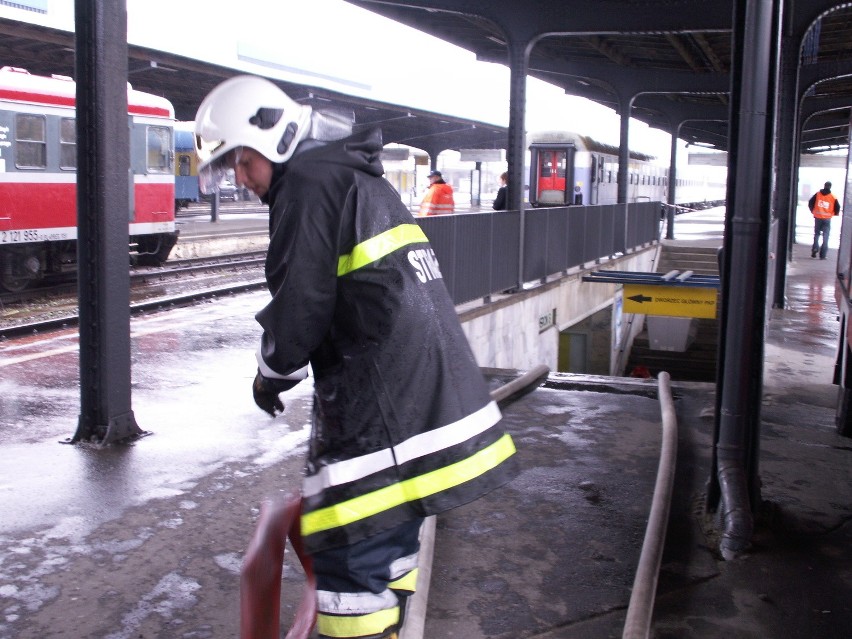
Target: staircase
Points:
(698, 362)
(700, 260)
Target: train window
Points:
(183, 165)
(67, 144)
(30, 141)
(159, 149)
(561, 164)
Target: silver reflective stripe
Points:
(402, 566)
(418, 446)
(449, 435)
(355, 603)
(297, 375)
(346, 471)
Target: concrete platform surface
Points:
(146, 540)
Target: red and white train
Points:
(570, 168)
(38, 177)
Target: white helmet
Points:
(246, 111)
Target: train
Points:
(38, 178)
(568, 168)
(186, 165)
(186, 173)
(843, 298)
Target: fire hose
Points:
(637, 624)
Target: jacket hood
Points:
(360, 151)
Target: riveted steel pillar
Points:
(103, 166)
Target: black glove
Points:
(266, 392)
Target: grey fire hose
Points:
(637, 625)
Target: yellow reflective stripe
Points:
(377, 247)
(357, 626)
(364, 506)
(431, 441)
(407, 582)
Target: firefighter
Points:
(403, 425)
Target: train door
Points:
(597, 170)
(551, 174)
(186, 168)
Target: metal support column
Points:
(625, 105)
(476, 185)
(672, 190)
(785, 195)
(734, 481)
(103, 165)
(215, 201)
(516, 154)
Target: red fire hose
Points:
(260, 576)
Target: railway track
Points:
(179, 282)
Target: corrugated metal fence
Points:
(480, 253)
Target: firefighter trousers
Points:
(362, 589)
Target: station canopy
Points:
(674, 57)
(185, 82)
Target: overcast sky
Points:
(335, 45)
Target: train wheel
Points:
(14, 284)
(12, 278)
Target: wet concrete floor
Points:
(145, 541)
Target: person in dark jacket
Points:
(403, 425)
(500, 201)
(823, 205)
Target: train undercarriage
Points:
(26, 265)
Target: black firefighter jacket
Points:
(403, 424)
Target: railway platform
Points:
(146, 540)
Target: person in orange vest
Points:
(439, 198)
(824, 206)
